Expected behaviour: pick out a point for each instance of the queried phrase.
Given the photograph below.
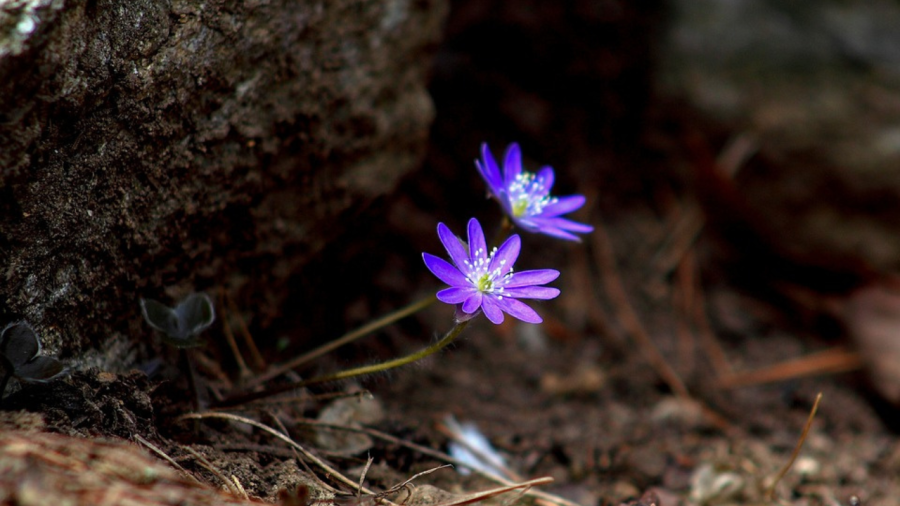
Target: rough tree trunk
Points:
(191, 143)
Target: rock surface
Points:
(190, 145)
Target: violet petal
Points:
(554, 231)
(532, 292)
(547, 176)
(489, 170)
(492, 310)
(444, 270)
(563, 205)
(453, 245)
(477, 245)
(518, 310)
(455, 294)
(527, 224)
(506, 255)
(512, 164)
(474, 302)
(531, 278)
(570, 226)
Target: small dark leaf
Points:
(161, 318)
(39, 370)
(195, 313)
(180, 326)
(20, 349)
(19, 344)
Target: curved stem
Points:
(397, 362)
(351, 336)
(350, 373)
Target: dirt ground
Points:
(578, 398)
(584, 407)
(634, 383)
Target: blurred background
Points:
(773, 126)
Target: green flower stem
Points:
(350, 373)
(351, 336)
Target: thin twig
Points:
(318, 462)
(686, 231)
(424, 450)
(258, 359)
(165, 457)
(707, 336)
(405, 483)
(351, 336)
(580, 292)
(598, 315)
(237, 483)
(683, 299)
(606, 261)
(475, 497)
(362, 476)
(443, 342)
(298, 399)
(512, 500)
(277, 451)
(829, 361)
(812, 414)
(211, 468)
(478, 452)
(302, 462)
(244, 371)
(627, 316)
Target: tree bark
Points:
(193, 144)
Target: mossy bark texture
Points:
(194, 144)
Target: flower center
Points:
(528, 195)
(482, 279)
(519, 207)
(485, 283)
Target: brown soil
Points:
(575, 399)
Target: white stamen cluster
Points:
(480, 277)
(528, 195)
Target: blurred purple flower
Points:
(485, 281)
(526, 198)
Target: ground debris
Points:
(38, 469)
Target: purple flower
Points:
(526, 198)
(485, 281)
